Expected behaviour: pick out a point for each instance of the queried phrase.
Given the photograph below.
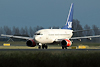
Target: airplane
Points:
(47, 36)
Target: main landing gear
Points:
(44, 46)
(64, 47)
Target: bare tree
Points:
(13, 30)
(22, 31)
(26, 31)
(7, 30)
(31, 32)
(96, 31)
(17, 32)
(76, 26)
(54, 27)
(37, 28)
(1, 30)
(88, 32)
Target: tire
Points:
(46, 46)
(65, 47)
(39, 47)
(43, 46)
(62, 47)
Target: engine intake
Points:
(31, 43)
(66, 43)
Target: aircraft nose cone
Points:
(36, 38)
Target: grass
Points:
(18, 43)
(86, 43)
(49, 58)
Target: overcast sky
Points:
(46, 13)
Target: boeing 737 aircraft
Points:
(46, 36)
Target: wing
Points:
(85, 37)
(73, 38)
(20, 37)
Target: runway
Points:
(49, 49)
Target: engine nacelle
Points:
(31, 43)
(66, 43)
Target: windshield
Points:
(38, 34)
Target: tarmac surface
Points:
(50, 48)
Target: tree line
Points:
(31, 30)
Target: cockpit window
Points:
(38, 34)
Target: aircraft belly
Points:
(44, 40)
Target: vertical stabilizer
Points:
(68, 24)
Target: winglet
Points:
(68, 24)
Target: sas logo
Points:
(69, 24)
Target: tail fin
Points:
(68, 24)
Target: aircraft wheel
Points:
(46, 46)
(62, 47)
(39, 47)
(43, 46)
(65, 47)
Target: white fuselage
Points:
(50, 35)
